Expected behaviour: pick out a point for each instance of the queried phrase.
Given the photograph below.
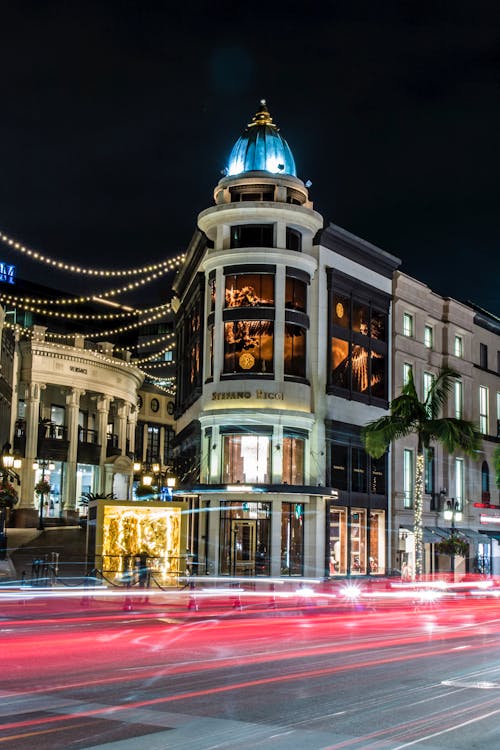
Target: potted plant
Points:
(42, 487)
(8, 495)
(453, 546)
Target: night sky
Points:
(118, 117)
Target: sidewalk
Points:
(25, 545)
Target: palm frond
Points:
(439, 390)
(378, 435)
(454, 434)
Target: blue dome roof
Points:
(261, 148)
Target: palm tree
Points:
(408, 415)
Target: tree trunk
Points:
(418, 513)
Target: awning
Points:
(473, 535)
(430, 534)
(490, 534)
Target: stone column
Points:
(32, 397)
(72, 411)
(132, 423)
(122, 419)
(103, 404)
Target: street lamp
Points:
(452, 513)
(8, 494)
(43, 486)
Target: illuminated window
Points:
(459, 483)
(428, 381)
(358, 542)
(408, 478)
(428, 337)
(376, 539)
(246, 459)
(293, 452)
(408, 325)
(458, 399)
(337, 558)
(252, 235)
(292, 539)
(249, 346)
(407, 370)
(459, 347)
(211, 288)
(249, 290)
(483, 409)
(295, 294)
(358, 344)
(245, 539)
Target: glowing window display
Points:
(152, 531)
(246, 459)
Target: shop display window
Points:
(377, 542)
(295, 350)
(295, 294)
(245, 539)
(358, 542)
(293, 452)
(292, 539)
(338, 541)
(246, 459)
(249, 290)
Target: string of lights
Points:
(29, 333)
(92, 297)
(66, 315)
(169, 263)
(148, 343)
(154, 356)
(158, 364)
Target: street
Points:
(100, 674)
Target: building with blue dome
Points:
(261, 148)
(283, 354)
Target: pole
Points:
(41, 527)
(453, 536)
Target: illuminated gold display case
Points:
(124, 537)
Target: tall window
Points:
(246, 458)
(295, 294)
(407, 369)
(292, 539)
(483, 409)
(485, 482)
(429, 337)
(459, 483)
(428, 380)
(458, 399)
(293, 239)
(294, 353)
(358, 346)
(293, 458)
(408, 329)
(459, 347)
(351, 471)
(483, 356)
(153, 446)
(249, 346)
(429, 471)
(408, 478)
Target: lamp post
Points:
(42, 463)
(8, 493)
(452, 513)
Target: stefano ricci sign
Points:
(241, 395)
(7, 273)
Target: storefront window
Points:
(358, 542)
(52, 504)
(341, 310)
(250, 290)
(295, 350)
(245, 539)
(293, 460)
(246, 459)
(211, 287)
(338, 542)
(292, 539)
(377, 542)
(340, 363)
(378, 475)
(249, 346)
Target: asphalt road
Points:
(90, 674)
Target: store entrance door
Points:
(243, 551)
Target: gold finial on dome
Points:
(262, 116)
